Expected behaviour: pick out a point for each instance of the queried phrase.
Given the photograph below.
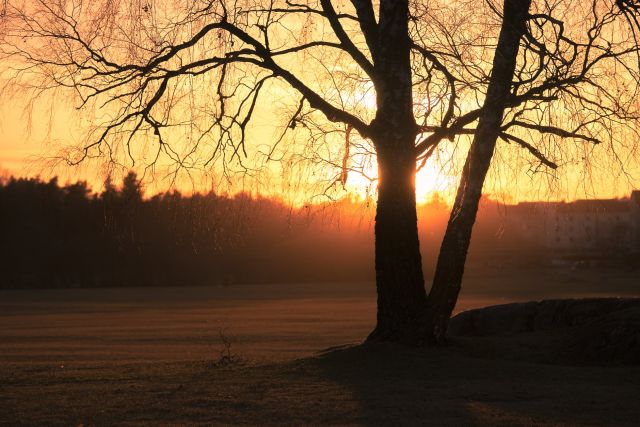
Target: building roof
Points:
(596, 206)
(579, 206)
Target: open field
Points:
(147, 356)
(265, 322)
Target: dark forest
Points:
(68, 236)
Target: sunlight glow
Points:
(430, 180)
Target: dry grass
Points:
(147, 357)
(353, 386)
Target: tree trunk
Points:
(399, 277)
(453, 252)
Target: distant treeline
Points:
(66, 236)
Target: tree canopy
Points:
(180, 82)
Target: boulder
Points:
(594, 330)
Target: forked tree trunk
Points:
(399, 277)
(453, 252)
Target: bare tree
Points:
(573, 72)
(182, 81)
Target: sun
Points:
(431, 179)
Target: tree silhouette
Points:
(560, 71)
(607, 109)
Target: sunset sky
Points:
(28, 144)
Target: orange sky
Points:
(26, 145)
(24, 149)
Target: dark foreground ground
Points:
(355, 386)
(153, 357)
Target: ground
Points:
(386, 386)
(151, 356)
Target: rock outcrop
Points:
(599, 330)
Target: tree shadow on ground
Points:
(356, 385)
(396, 385)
